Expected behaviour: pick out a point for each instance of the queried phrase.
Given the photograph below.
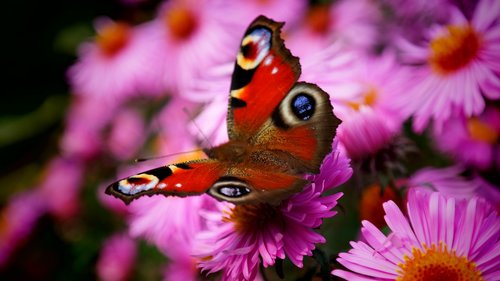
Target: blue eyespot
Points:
(303, 106)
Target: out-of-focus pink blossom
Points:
(117, 258)
(472, 141)
(123, 61)
(126, 135)
(17, 220)
(60, 186)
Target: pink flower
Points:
(61, 186)
(240, 236)
(364, 103)
(122, 62)
(17, 220)
(352, 22)
(127, 133)
(117, 258)
(472, 141)
(459, 67)
(194, 36)
(442, 239)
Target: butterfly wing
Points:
(182, 179)
(269, 109)
(264, 72)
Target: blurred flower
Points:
(86, 119)
(442, 238)
(126, 135)
(123, 61)
(117, 258)
(352, 22)
(459, 67)
(60, 187)
(369, 120)
(243, 235)
(472, 141)
(17, 220)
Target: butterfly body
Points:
(279, 130)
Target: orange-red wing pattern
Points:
(264, 73)
(184, 179)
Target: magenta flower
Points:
(117, 258)
(240, 236)
(351, 22)
(126, 135)
(61, 187)
(18, 218)
(459, 69)
(472, 141)
(442, 239)
(122, 62)
(364, 103)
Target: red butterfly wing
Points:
(183, 179)
(264, 73)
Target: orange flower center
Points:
(454, 50)
(181, 22)
(318, 18)
(252, 217)
(113, 37)
(372, 199)
(481, 131)
(368, 98)
(437, 264)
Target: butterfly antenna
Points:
(197, 127)
(165, 156)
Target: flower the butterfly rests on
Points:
(279, 130)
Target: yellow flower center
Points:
(181, 22)
(454, 50)
(252, 217)
(481, 131)
(113, 37)
(437, 264)
(369, 98)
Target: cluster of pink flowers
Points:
(395, 72)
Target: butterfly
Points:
(279, 130)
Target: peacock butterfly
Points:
(279, 130)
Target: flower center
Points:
(318, 18)
(368, 98)
(438, 264)
(113, 37)
(481, 131)
(454, 50)
(252, 217)
(181, 22)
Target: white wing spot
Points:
(274, 71)
(178, 185)
(162, 185)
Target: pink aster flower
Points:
(242, 236)
(441, 239)
(352, 22)
(459, 67)
(364, 103)
(472, 141)
(17, 220)
(117, 258)
(61, 185)
(194, 36)
(126, 135)
(121, 62)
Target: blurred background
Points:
(73, 120)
